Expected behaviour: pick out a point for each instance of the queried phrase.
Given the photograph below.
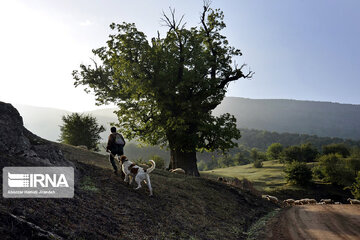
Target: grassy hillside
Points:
(266, 178)
(270, 179)
(104, 207)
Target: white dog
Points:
(136, 172)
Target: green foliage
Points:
(262, 156)
(225, 161)
(258, 164)
(87, 184)
(254, 154)
(292, 153)
(202, 166)
(336, 148)
(303, 153)
(261, 139)
(166, 88)
(309, 152)
(335, 170)
(298, 173)
(318, 172)
(79, 129)
(159, 161)
(241, 157)
(353, 164)
(274, 151)
(355, 187)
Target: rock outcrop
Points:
(20, 147)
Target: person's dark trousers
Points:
(113, 163)
(119, 152)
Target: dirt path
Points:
(328, 222)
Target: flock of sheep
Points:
(291, 202)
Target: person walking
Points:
(115, 146)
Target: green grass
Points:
(87, 184)
(258, 229)
(267, 178)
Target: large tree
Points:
(166, 88)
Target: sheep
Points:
(178, 170)
(304, 201)
(326, 201)
(353, 201)
(308, 201)
(289, 201)
(298, 202)
(337, 203)
(312, 201)
(272, 198)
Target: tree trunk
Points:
(184, 160)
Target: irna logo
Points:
(37, 180)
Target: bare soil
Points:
(330, 222)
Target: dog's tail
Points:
(149, 170)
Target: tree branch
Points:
(208, 39)
(238, 73)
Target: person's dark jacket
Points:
(112, 146)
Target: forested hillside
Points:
(323, 119)
(262, 139)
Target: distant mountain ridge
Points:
(323, 119)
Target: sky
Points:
(300, 49)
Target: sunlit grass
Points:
(268, 177)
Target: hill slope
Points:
(316, 118)
(305, 117)
(104, 207)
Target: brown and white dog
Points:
(136, 172)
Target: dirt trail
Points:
(330, 222)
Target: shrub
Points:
(290, 154)
(355, 187)
(308, 152)
(274, 151)
(353, 163)
(254, 154)
(298, 173)
(303, 153)
(335, 170)
(318, 172)
(336, 148)
(258, 164)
